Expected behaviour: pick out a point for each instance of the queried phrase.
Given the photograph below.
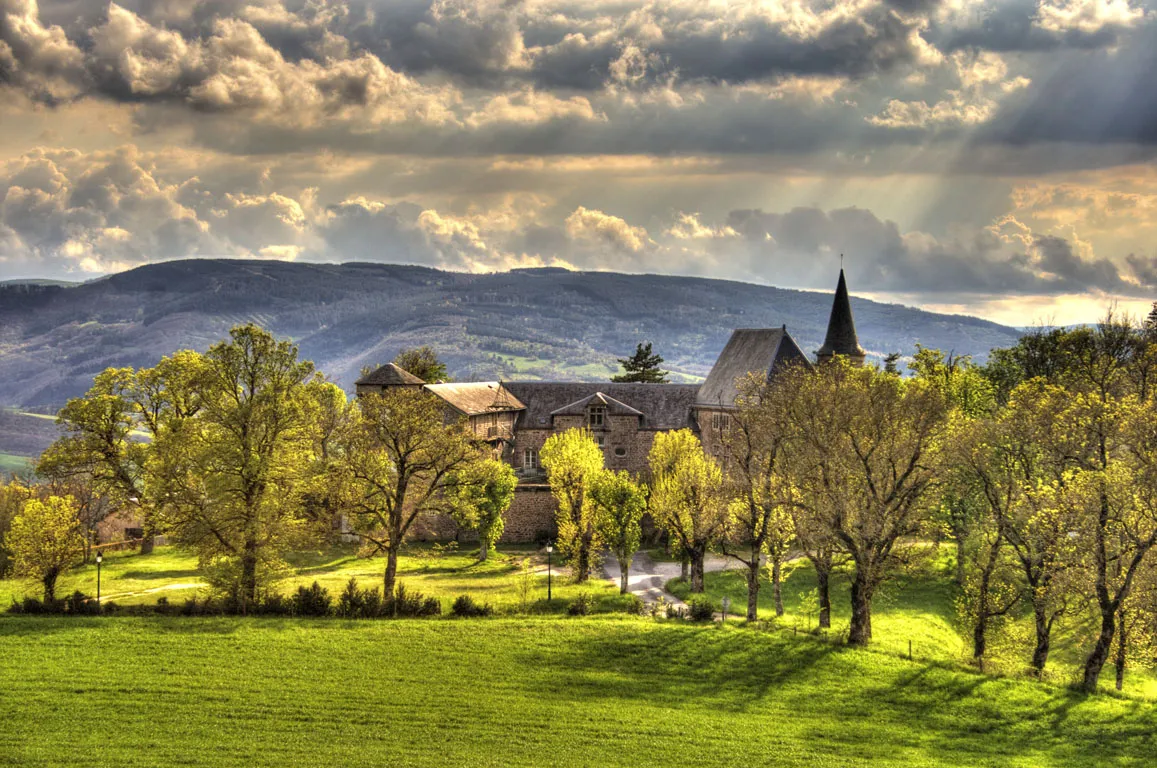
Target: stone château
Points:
(517, 417)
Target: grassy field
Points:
(11, 464)
(600, 691)
(131, 579)
(917, 606)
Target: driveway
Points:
(647, 577)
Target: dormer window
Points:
(598, 416)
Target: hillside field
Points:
(600, 691)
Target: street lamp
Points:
(549, 549)
(99, 560)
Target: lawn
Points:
(11, 464)
(600, 691)
(130, 579)
(917, 606)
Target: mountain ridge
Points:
(526, 323)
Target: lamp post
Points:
(99, 560)
(549, 549)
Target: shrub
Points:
(701, 608)
(81, 604)
(464, 606)
(401, 603)
(276, 604)
(313, 600)
(354, 603)
(582, 605)
(635, 605)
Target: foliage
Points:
(422, 362)
(573, 462)
(687, 496)
(581, 605)
(13, 494)
(403, 603)
(44, 539)
(635, 606)
(355, 603)
(313, 600)
(700, 608)
(642, 367)
(466, 607)
(480, 494)
(620, 504)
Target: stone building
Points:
(517, 417)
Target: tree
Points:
(423, 362)
(229, 480)
(573, 461)
(867, 455)
(13, 494)
(399, 461)
(619, 503)
(688, 498)
(890, 363)
(480, 495)
(761, 492)
(641, 367)
(45, 539)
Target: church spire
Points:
(841, 337)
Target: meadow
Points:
(606, 690)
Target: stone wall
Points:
(530, 519)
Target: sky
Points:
(988, 158)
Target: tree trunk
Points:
(248, 575)
(49, 582)
(776, 585)
(483, 549)
(959, 560)
(148, 544)
(823, 577)
(1040, 654)
(582, 563)
(1100, 653)
(697, 571)
(753, 589)
(860, 631)
(624, 572)
(685, 567)
(391, 571)
(1120, 661)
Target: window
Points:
(598, 415)
(530, 458)
(602, 441)
(721, 422)
(620, 451)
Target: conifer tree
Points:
(641, 367)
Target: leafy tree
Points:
(44, 539)
(642, 367)
(400, 460)
(688, 498)
(761, 491)
(480, 495)
(619, 503)
(890, 363)
(423, 362)
(13, 494)
(573, 461)
(230, 479)
(867, 456)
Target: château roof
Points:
(841, 338)
(613, 406)
(390, 375)
(664, 406)
(477, 397)
(749, 350)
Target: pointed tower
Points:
(841, 338)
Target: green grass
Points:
(131, 579)
(601, 691)
(10, 463)
(918, 606)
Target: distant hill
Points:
(524, 324)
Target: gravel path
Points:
(647, 577)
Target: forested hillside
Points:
(541, 323)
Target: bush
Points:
(582, 605)
(277, 604)
(701, 608)
(354, 603)
(313, 600)
(464, 606)
(635, 605)
(402, 603)
(81, 604)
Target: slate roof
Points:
(613, 406)
(478, 397)
(664, 406)
(841, 338)
(749, 350)
(390, 375)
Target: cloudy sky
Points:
(995, 158)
